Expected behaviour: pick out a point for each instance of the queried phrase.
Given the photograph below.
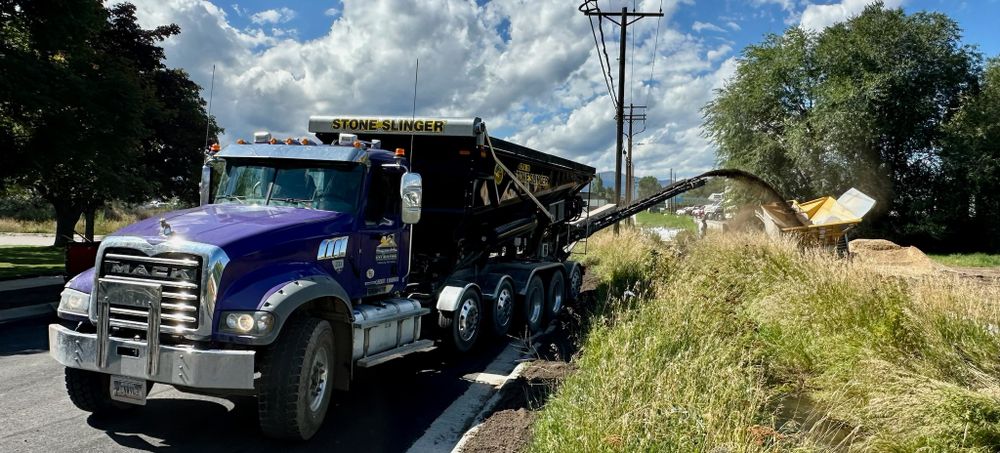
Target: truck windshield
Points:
(328, 188)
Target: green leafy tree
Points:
(90, 110)
(860, 104)
(971, 167)
(648, 186)
(597, 189)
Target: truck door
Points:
(384, 240)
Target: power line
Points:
(609, 81)
(625, 18)
(631, 72)
(604, 73)
(600, 25)
(652, 65)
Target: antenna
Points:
(413, 114)
(208, 118)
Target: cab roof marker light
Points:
(261, 137)
(347, 139)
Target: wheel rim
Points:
(574, 282)
(504, 305)
(318, 374)
(557, 295)
(468, 319)
(537, 301)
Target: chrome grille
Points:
(179, 276)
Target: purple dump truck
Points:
(306, 261)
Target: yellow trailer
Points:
(824, 221)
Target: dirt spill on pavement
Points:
(508, 428)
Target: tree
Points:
(971, 167)
(90, 110)
(860, 104)
(597, 187)
(648, 186)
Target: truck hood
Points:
(225, 224)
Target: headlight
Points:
(74, 302)
(256, 323)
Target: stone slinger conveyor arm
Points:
(585, 229)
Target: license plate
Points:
(128, 390)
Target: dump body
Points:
(472, 206)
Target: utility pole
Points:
(631, 117)
(624, 22)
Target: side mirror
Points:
(205, 187)
(411, 190)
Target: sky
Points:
(529, 68)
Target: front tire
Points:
(91, 391)
(296, 380)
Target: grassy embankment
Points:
(669, 220)
(23, 261)
(968, 259)
(741, 344)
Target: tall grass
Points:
(744, 344)
(103, 223)
(968, 259)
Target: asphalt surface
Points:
(388, 408)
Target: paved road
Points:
(388, 408)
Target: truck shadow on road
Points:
(387, 409)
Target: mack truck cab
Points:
(305, 261)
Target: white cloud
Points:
(817, 17)
(699, 26)
(787, 5)
(273, 16)
(733, 25)
(542, 87)
(332, 12)
(721, 51)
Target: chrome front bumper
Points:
(209, 369)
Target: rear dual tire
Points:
(533, 305)
(501, 309)
(463, 326)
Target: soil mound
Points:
(888, 253)
(504, 431)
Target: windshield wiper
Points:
(290, 200)
(238, 198)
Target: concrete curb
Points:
(488, 407)
(491, 404)
(37, 291)
(31, 282)
(28, 312)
